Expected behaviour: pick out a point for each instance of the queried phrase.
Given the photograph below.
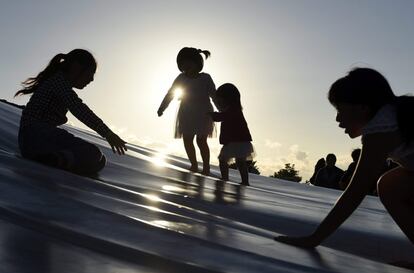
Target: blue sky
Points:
(282, 55)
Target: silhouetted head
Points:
(330, 160)
(355, 154)
(320, 164)
(228, 96)
(362, 86)
(78, 65)
(189, 59)
(358, 96)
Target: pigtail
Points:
(205, 52)
(32, 83)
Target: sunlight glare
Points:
(159, 160)
(178, 92)
(153, 197)
(172, 188)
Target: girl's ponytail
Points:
(32, 83)
(61, 62)
(205, 52)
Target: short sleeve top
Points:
(386, 121)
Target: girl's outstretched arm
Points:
(165, 102)
(374, 152)
(169, 96)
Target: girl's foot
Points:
(193, 169)
(245, 184)
(206, 169)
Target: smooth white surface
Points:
(146, 208)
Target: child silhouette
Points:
(52, 97)
(366, 106)
(234, 133)
(192, 119)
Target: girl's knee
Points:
(92, 153)
(88, 159)
(201, 141)
(223, 162)
(388, 188)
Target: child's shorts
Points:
(234, 150)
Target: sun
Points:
(178, 92)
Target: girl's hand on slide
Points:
(304, 242)
(117, 144)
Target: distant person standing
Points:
(330, 175)
(234, 133)
(319, 165)
(346, 178)
(192, 119)
(52, 97)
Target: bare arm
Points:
(369, 168)
(166, 101)
(168, 97)
(212, 91)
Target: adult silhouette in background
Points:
(346, 178)
(319, 165)
(330, 175)
(52, 97)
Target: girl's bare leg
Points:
(396, 191)
(224, 169)
(244, 173)
(205, 153)
(190, 150)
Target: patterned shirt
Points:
(51, 101)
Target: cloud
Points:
(272, 144)
(299, 155)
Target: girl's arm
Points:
(168, 97)
(374, 152)
(82, 112)
(218, 116)
(212, 91)
(166, 101)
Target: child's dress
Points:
(385, 121)
(234, 135)
(192, 116)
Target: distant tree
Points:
(252, 167)
(288, 173)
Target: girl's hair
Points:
(366, 86)
(230, 94)
(192, 54)
(61, 62)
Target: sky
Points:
(282, 55)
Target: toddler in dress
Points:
(192, 119)
(234, 133)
